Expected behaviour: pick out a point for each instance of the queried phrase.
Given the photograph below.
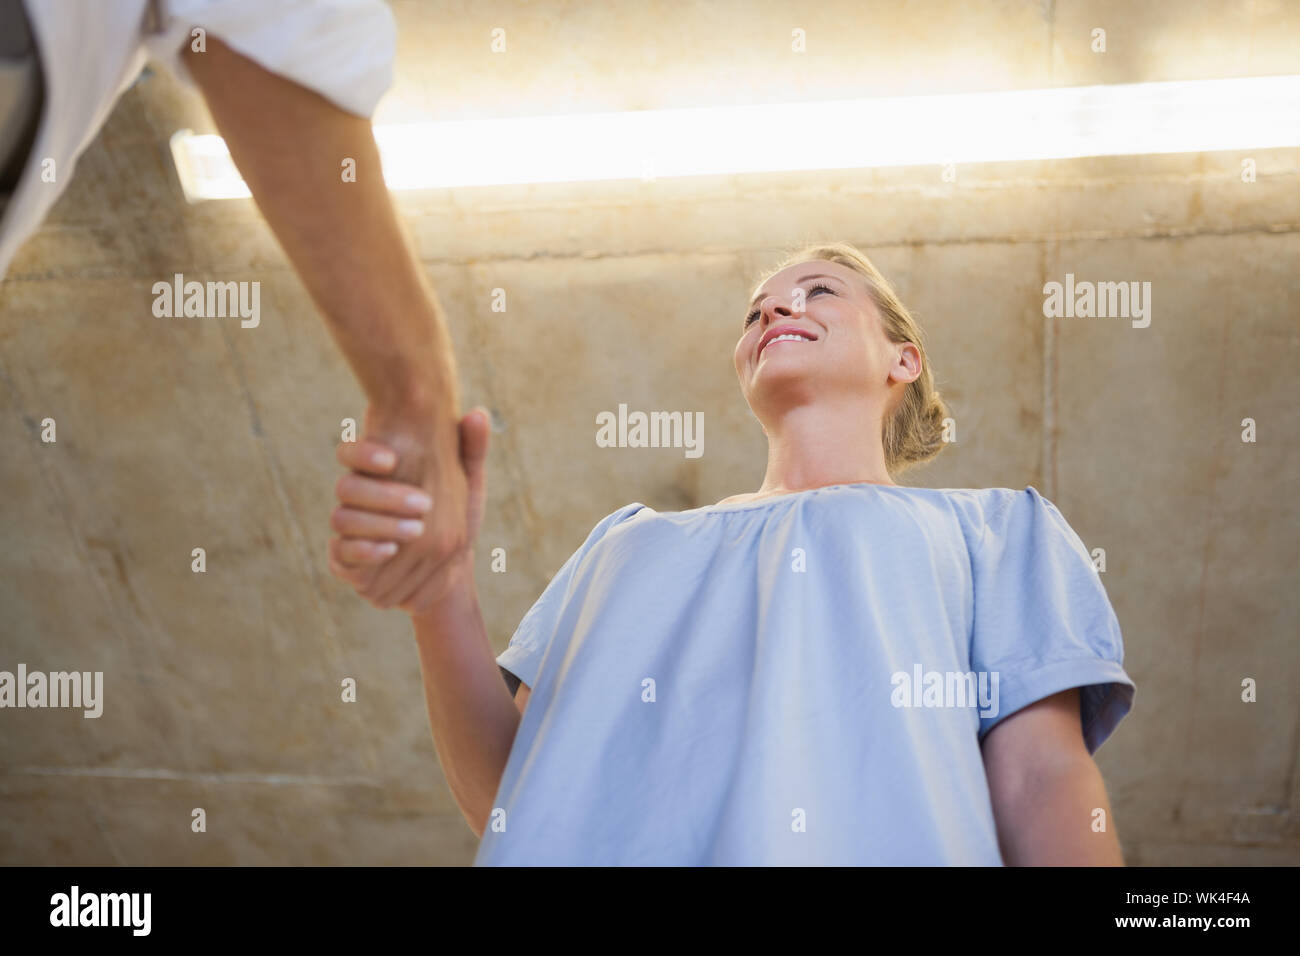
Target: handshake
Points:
(409, 510)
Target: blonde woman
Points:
(832, 669)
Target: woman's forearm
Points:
(471, 713)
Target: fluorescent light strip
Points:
(1173, 117)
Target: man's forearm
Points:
(1050, 821)
(343, 238)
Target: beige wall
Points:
(223, 688)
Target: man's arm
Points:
(345, 241)
(343, 238)
(1045, 787)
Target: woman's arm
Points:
(1046, 789)
(470, 711)
(472, 717)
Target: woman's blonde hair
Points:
(913, 432)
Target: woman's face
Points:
(835, 347)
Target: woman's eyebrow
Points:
(811, 275)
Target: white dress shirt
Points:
(91, 52)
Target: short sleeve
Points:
(1042, 620)
(342, 49)
(522, 659)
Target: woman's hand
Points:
(376, 514)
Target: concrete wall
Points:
(223, 688)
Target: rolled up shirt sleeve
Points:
(341, 49)
(1043, 621)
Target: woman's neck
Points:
(821, 444)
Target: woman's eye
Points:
(816, 288)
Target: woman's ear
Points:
(909, 356)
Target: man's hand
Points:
(377, 495)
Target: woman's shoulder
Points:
(1011, 513)
(738, 499)
(620, 515)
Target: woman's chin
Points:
(781, 387)
(780, 373)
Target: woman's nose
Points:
(773, 308)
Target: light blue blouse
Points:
(801, 680)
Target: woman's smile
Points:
(784, 333)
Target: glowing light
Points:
(1064, 123)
